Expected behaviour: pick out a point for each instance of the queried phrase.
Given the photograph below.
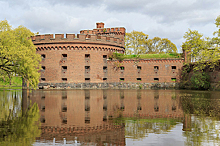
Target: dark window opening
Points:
(87, 120)
(104, 67)
(173, 67)
(64, 97)
(43, 97)
(173, 108)
(43, 67)
(156, 79)
(139, 67)
(42, 120)
(43, 108)
(139, 108)
(64, 121)
(87, 67)
(122, 67)
(64, 109)
(105, 108)
(156, 108)
(138, 79)
(43, 56)
(87, 55)
(173, 79)
(104, 118)
(104, 79)
(87, 79)
(122, 108)
(87, 108)
(122, 79)
(64, 67)
(104, 56)
(156, 67)
(64, 79)
(64, 55)
(43, 79)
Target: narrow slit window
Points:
(156, 79)
(139, 67)
(138, 79)
(104, 56)
(173, 67)
(64, 55)
(156, 67)
(122, 79)
(64, 79)
(87, 56)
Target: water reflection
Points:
(17, 127)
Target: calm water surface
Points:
(109, 117)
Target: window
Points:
(173, 79)
(43, 79)
(156, 67)
(87, 56)
(64, 109)
(104, 56)
(104, 79)
(87, 79)
(122, 79)
(64, 79)
(122, 67)
(43, 68)
(173, 67)
(43, 56)
(138, 79)
(87, 67)
(104, 67)
(139, 67)
(156, 79)
(64, 55)
(64, 67)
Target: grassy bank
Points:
(15, 82)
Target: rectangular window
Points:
(87, 56)
(104, 67)
(122, 67)
(43, 56)
(139, 67)
(43, 79)
(64, 67)
(64, 55)
(156, 79)
(64, 109)
(122, 79)
(87, 79)
(104, 79)
(138, 79)
(173, 79)
(156, 67)
(173, 67)
(87, 67)
(104, 56)
(64, 79)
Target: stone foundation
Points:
(108, 86)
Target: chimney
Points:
(100, 25)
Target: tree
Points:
(18, 54)
(135, 42)
(138, 43)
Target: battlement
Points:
(79, 38)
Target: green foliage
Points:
(138, 43)
(15, 81)
(200, 80)
(18, 54)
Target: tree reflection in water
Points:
(17, 128)
(202, 115)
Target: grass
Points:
(15, 82)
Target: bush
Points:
(200, 80)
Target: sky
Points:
(157, 18)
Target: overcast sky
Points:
(163, 18)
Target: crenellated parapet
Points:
(78, 39)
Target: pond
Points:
(109, 117)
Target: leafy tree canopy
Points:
(138, 43)
(18, 54)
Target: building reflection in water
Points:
(88, 114)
